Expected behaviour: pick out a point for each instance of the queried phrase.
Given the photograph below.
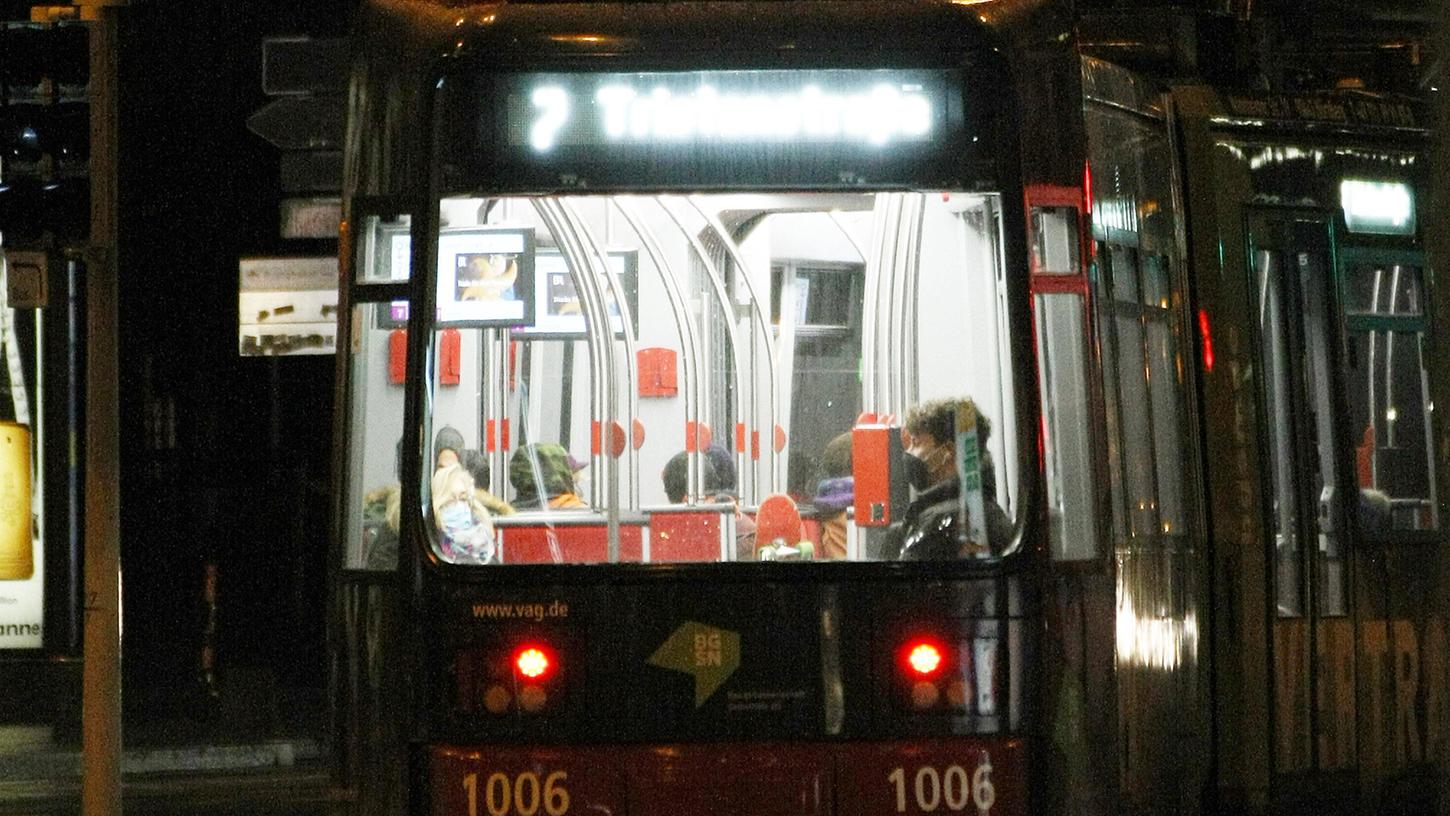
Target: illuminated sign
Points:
(287, 306)
(21, 555)
(1383, 207)
(486, 277)
(861, 107)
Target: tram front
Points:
(689, 443)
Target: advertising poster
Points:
(22, 567)
(287, 306)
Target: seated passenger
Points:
(551, 465)
(447, 446)
(929, 527)
(382, 516)
(465, 525)
(724, 464)
(835, 493)
(676, 479)
(476, 463)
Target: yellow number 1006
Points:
(522, 795)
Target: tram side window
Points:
(385, 247)
(1389, 399)
(1063, 366)
(1145, 393)
(377, 353)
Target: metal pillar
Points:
(101, 672)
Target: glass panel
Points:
(1318, 359)
(1389, 402)
(1156, 286)
(1055, 241)
(384, 248)
(376, 429)
(1165, 386)
(1276, 359)
(530, 406)
(1137, 428)
(1107, 310)
(1125, 273)
(1383, 289)
(1063, 366)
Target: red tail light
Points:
(533, 662)
(923, 658)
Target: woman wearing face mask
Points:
(928, 529)
(465, 524)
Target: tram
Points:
(824, 406)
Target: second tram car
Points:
(851, 407)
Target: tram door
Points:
(1350, 511)
(1312, 640)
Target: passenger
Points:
(476, 463)
(722, 490)
(465, 524)
(550, 464)
(928, 530)
(724, 465)
(447, 445)
(835, 493)
(800, 478)
(675, 477)
(382, 516)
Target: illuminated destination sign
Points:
(867, 108)
(1385, 207)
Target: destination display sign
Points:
(704, 129)
(875, 108)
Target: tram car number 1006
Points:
(915, 789)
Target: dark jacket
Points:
(928, 528)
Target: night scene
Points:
(724, 408)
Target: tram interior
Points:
(764, 326)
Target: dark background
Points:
(226, 459)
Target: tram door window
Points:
(1297, 331)
(1060, 305)
(376, 363)
(1388, 393)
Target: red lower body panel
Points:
(943, 776)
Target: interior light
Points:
(532, 662)
(924, 658)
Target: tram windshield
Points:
(713, 355)
(724, 377)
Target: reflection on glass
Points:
(1275, 356)
(1383, 289)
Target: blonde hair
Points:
(445, 479)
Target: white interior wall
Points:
(378, 417)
